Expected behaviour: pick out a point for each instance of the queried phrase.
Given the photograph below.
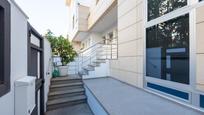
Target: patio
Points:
(118, 98)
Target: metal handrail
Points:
(100, 42)
(109, 50)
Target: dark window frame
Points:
(5, 38)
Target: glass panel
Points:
(157, 8)
(34, 40)
(1, 45)
(167, 55)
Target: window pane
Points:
(157, 8)
(168, 50)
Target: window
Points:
(157, 8)
(167, 54)
(4, 47)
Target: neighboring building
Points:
(24, 53)
(159, 44)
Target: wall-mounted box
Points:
(25, 95)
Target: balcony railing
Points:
(107, 49)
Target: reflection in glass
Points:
(167, 54)
(157, 8)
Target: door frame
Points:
(40, 49)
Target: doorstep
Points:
(117, 98)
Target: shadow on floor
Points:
(82, 109)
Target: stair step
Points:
(99, 61)
(64, 105)
(67, 85)
(65, 88)
(66, 95)
(66, 100)
(88, 68)
(53, 93)
(63, 102)
(65, 81)
(66, 78)
(94, 65)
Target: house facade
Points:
(158, 45)
(25, 58)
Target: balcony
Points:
(80, 23)
(100, 10)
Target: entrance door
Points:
(35, 68)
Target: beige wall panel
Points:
(131, 64)
(122, 35)
(140, 81)
(200, 48)
(126, 6)
(131, 48)
(140, 65)
(200, 87)
(140, 29)
(127, 20)
(127, 49)
(200, 67)
(114, 64)
(140, 13)
(140, 47)
(126, 64)
(200, 14)
(200, 38)
(127, 77)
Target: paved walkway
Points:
(82, 109)
(121, 99)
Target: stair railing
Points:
(106, 49)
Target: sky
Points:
(46, 14)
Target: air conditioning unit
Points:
(25, 95)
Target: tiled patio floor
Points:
(121, 99)
(82, 109)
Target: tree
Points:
(61, 47)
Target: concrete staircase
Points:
(91, 67)
(65, 91)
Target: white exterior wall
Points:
(18, 57)
(47, 69)
(129, 66)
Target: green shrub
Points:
(62, 47)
